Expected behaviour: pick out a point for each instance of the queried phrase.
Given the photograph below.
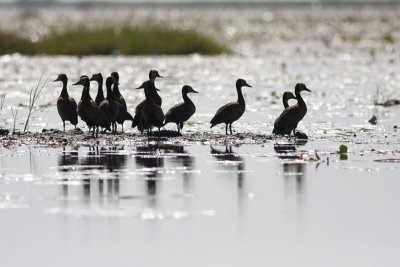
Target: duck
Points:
(232, 111)
(110, 106)
(116, 92)
(286, 97)
(151, 113)
(137, 120)
(98, 77)
(124, 115)
(66, 105)
(291, 116)
(183, 111)
(88, 111)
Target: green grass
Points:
(107, 41)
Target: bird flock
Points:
(106, 112)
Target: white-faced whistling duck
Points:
(291, 116)
(66, 105)
(138, 119)
(124, 115)
(110, 106)
(100, 95)
(232, 111)
(88, 110)
(286, 97)
(183, 111)
(151, 113)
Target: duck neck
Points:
(110, 95)
(85, 93)
(300, 100)
(100, 88)
(186, 99)
(116, 91)
(240, 95)
(64, 92)
(285, 102)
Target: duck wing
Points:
(179, 113)
(227, 113)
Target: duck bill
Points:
(306, 89)
(57, 80)
(77, 83)
(158, 90)
(248, 85)
(194, 91)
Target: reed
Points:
(33, 96)
(15, 118)
(2, 98)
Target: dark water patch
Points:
(392, 160)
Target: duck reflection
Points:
(183, 159)
(293, 166)
(148, 158)
(67, 161)
(92, 164)
(227, 157)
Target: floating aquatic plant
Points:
(342, 149)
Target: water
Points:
(206, 200)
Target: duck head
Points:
(188, 89)
(146, 85)
(97, 77)
(62, 77)
(301, 87)
(115, 75)
(110, 81)
(242, 83)
(83, 80)
(153, 74)
(288, 95)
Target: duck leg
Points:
(226, 128)
(122, 125)
(97, 131)
(177, 126)
(230, 127)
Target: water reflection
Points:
(92, 163)
(183, 160)
(148, 158)
(232, 161)
(294, 169)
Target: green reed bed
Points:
(106, 41)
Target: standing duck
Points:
(88, 110)
(66, 105)
(232, 111)
(110, 106)
(137, 120)
(124, 115)
(291, 116)
(116, 92)
(286, 97)
(100, 95)
(183, 111)
(152, 114)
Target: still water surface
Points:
(163, 204)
